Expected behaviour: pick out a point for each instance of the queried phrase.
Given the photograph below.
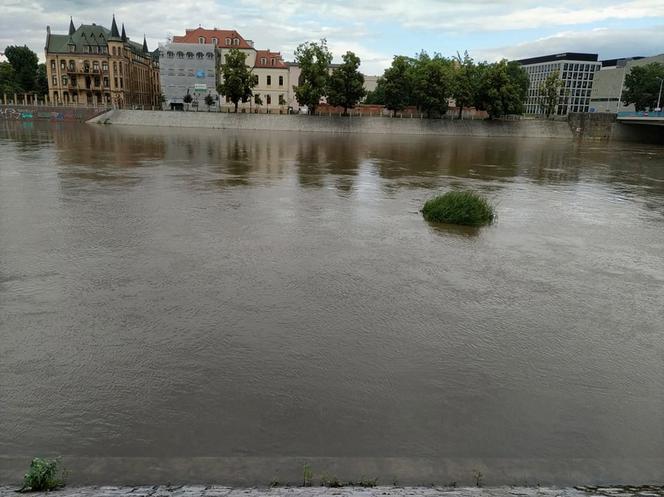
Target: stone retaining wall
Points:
(338, 124)
(48, 113)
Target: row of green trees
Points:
(22, 73)
(430, 82)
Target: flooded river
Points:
(194, 305)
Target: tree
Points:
(398, 84)
(209, 101)
(549, 91)
(282, 100)
(8, 83)
(42, 80)
(187, 99)
(467, 77)
(258, 101)
(503, 88)
(642, 86)
(376, 97)
(238, 80)
(346, 84)
(25, 62)
(433, 84)
(314, 60)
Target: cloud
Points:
(608, 43)
(374, 29)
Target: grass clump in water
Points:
(459, 207)
(44, 475)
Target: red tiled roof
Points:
(192, 35)
(269, 57)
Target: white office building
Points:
(577, 72)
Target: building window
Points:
(263, 60)
(104, 49)
(64, 80)
(106, 82)
(236, 41)
(199, 55)
(272, 61)
(72, 48)
(215, 41)
(209, 55)
(121, 83)
(170, 54)
(201, 40)
(62, 65)
(104, 66)
(55, 81)
(269, 81)
(281, 81)
(95, 66)
(52, 65)
(190, 55)
(227, 41)
(180, 55)
(268, 99)
(115, 82)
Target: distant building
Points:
(187, 68)
(274, 77)
(606, 94)
(577, 72)
(94, 65)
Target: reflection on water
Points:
(248, 300)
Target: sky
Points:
(374, 30)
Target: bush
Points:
(459, 207)
(43, 475)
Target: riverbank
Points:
(338, 124)
(380, 491)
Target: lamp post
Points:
(659, 97)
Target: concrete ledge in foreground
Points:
(391, 491)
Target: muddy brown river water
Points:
(194, 305)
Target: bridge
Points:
(643, 117)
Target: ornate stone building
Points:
(93, 65)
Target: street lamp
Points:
(659, 97)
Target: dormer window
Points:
(227, 41)
(236, 41)
(215, 41)
(263, 60)
(272, 61)
(201, 39)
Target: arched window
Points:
(236, 41)
(209, 55)
(190, 55)
(170, 54)
(215, 41)
(227, 41)
(180, 55)
(201, 39)
(199, 55)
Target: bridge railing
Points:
(641, 114)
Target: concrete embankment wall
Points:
(48, 113)
(337, 124)
(605, 127)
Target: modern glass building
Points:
(577, 73)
